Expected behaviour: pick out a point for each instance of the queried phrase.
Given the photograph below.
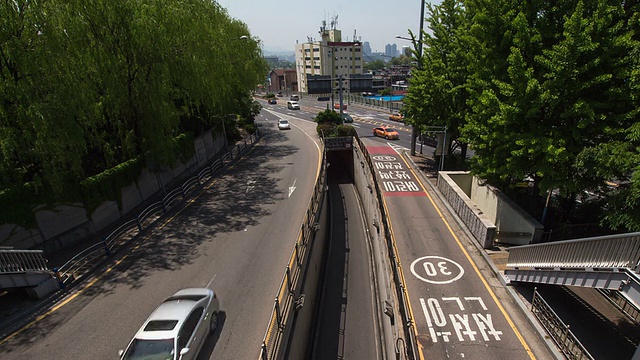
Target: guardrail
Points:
(286, 297)
(559, 332)
(603, 252)
(77, 266)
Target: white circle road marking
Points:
(437, 268)
(384, 158)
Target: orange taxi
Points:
(396, 117)
(386, 132)
(337, 106)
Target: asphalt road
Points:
(235, 238)
(460, 309)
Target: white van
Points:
(293, 105)
(294, 98)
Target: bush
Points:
(250, 128)
(325, 129)
(108, 184)
(328, 115)
(345, 130)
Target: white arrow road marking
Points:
(292, 188)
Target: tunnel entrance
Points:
(340, 169)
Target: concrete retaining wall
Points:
(63, 225)
(514, 225)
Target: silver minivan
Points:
(294, 98)
(293, 105)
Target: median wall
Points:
(379, 236)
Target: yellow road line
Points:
(108, 270)
(395, 249)
(475, 267)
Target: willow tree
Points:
(87, 85)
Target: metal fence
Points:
(559, 332)
(622, 303)
(604, 252)
(286, 298)
(19, 261)
(388, 105)
(357, 99)
(79, 265)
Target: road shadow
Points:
(330, 331)
(237, 198)
(212, 339)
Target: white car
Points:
(176, 329)
(283, 124)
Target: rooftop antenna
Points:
(334, 22)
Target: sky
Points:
(280, 23)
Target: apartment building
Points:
(332, 59)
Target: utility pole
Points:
(340, 87)
(414, 129)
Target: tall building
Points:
(329, 57)
(366, 48)
(391, 50)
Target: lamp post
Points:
(414, 129)
(224, 130)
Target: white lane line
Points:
(210, 281)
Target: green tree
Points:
(550, 81)
(87, 85)
(437, 96)
(403, 59)
(374, 65)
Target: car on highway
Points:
(293, 105)
(386, 132)
(346, 118)
(273, 101)
(396, 116)
(177, 328)
(337, 106)
(283, 124)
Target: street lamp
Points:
(224, 130)
(414, 129)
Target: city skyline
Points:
(370, 20)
